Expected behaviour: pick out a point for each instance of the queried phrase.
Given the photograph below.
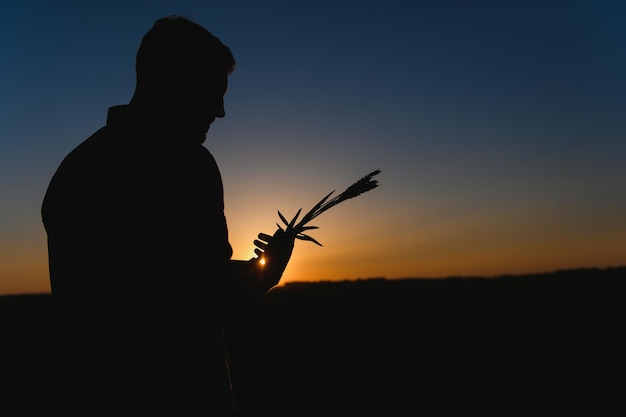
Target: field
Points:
(539, 345)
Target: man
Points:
(138, 247)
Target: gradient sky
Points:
(499, 127)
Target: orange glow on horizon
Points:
(355, 248)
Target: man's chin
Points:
(200, 138)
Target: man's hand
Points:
(274, 253)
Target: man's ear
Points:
(171, 74)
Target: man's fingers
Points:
(259, 244)
(265, 237)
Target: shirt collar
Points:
(144, 121)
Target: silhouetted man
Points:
(138, 247)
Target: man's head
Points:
(182, 72)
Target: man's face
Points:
(204, 99)
(213, 99)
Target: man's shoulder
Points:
(131, 144)
(86, 147)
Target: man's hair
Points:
(177, 39)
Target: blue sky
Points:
(498, 126)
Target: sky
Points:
(498, 126)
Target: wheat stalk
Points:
(363, 185)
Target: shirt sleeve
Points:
(192, 235)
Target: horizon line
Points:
(383, 278)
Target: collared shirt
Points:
(138, 246)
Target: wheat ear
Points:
(363, 185)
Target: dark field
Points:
(540, 345)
